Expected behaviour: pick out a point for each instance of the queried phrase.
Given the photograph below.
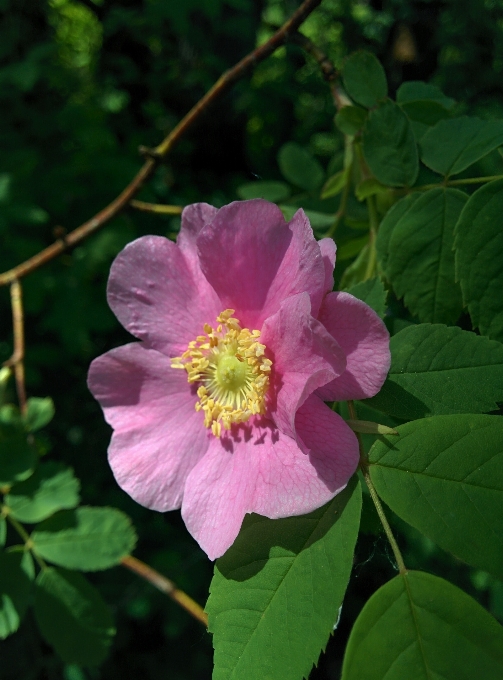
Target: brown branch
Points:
(16, 360)
(165, 586)
(118, 204)
(157, 208)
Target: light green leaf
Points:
(276, 593)
(364, 78)
(420, 627)
(453, 145)
(39, 412)
(17, 456)
(479, 258)
(437, 370)
(52, 487)
(420, 256)
(444, 475)
(335, 184)
(72, 617)
(351, 248)
(417, 90)
(350, 119)
(299, 167)
(87, 539)
(3, 531)
(317, 219)
(373, 293)
(369, 187)
(15, 590)
(270, 191)
(389, 146)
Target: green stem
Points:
(377, 502)
(342, 207)
(458, 182)
(27, 540)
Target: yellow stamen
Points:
(233, 373)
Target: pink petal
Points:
(158, 436)
(157, 298)
(254, 260)
(194, 217)
(305, 356)
(259, 469)
(328, 250)
(365, 341)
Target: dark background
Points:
(82, 84)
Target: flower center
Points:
(233, 373)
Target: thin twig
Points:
(157, 208)
(458, 182)
(373, 494)
(153, 158)
(330, 73)
(16, 361)
(165, 586)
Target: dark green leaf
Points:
(444, 475)
(72, 617)
(52, 487)
(317, 219)
(276, 593)
(39, 412)
(373, 293)
(3, 531)
(356, 271)
(389, 146)
(422, 627)
(350, 119)
(420, 256)
(479, 258)
(271, 191)
(396, 213)
(299, 167)
(437, 370)
(364, 78)
(417, 90)
(86, 538)
(335, 184)
(17, 456)
(15, 590)
(351, 248)
(454, 144)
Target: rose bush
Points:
(219, 409)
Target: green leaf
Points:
(420, 626)
(389, 146)
(276, 593)
(72, 616)
(453, 145)
(52, 487)
(351, 248)
(299, 167)
(396, 213)
(417, 90)
(356, 271)
(15, 590)
(373, 293)
(3, 531)
(271, 191)
(437, 370)
(350, 119)
(317, 219)
(86, 538)
(39, 412)
(17, 456)
(364, 78)
(335, 184)
(479, 258)
(444, 475)
(369, 187)
(420, 256)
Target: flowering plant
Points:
(243, 305)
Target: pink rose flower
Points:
(219, 408)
